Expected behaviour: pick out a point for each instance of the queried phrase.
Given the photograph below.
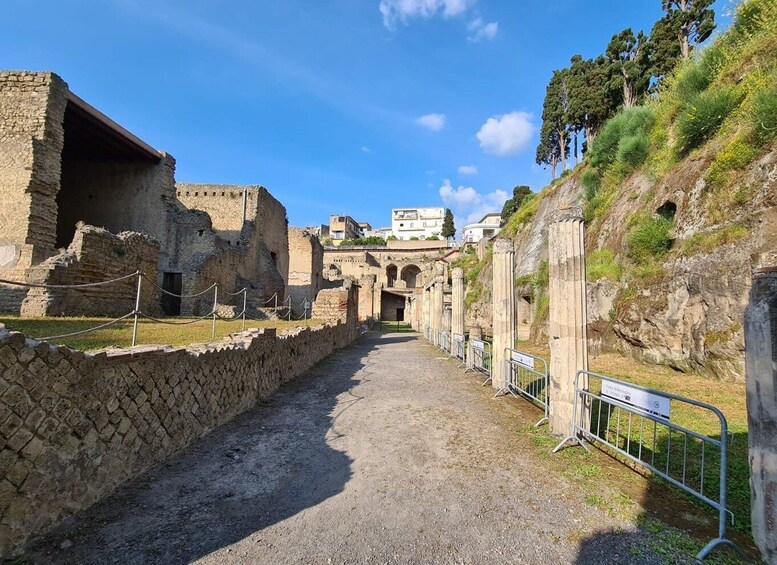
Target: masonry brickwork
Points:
(63, 163)
(76, 425)
(306, 267)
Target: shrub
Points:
(604, 149)
(590, 181)
(648, 237)
(735, 156)
(695, 77)
(601, 264)
(764, 116)
(633, 149)
(702, 117)
(706, 242)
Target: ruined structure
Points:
(66, 168)
(306, 265)
(396, 273)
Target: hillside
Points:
(680, 197)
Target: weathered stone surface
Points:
(129, 408)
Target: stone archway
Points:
(410, 274)
(391, 275)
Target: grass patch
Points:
(648, 237)
(702, 117)
(707, 242)
(735, 156)
(149, 332)
(602, 264)
(764, 116)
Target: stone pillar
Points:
(761, 371)
(437, 299)
(457, 301)
(475, 332)
(503, 296)
(568, 315)
(367, 298)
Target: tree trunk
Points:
(562, 144)
(589, 137)
(577, 155)
(628, 93)
(553, 163)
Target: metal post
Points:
(137, 311)
(245, 300)
(275, 296)
(289, 316)
(215, 305)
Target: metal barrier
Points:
(428, 333)
(481, 357)
(634, 421)
(459, 348)
(445, 342)
(527, 377)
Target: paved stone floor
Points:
(383, 453)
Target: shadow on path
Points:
(268, 464)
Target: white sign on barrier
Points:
(525, 360)
(646, 401)
(477, 344)
(459, 337)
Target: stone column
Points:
(568, 315)
(761, 371)
(475, 332)
(437, 300)
(457, 301)
(503, 296)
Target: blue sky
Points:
(336, 106)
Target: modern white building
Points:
(423, 223)
(487, 227)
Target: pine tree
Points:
(663, 49)
(630, 65)
(590, 99)
(520, 193)
(555, 114)
(548, 150)
(692, 20)
(448, 227)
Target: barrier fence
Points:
(459, 348)
(137, 312)
(636, 422)
(527, 377)
(445, 342)
(480, 352)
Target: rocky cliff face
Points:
(688, 314)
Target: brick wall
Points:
(95, 255)
(306, 264)
(75, 425)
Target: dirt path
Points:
(382, 453)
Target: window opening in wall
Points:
(223, 194)
(200, 232)
(187, 193)
(274, 257)
(173, 283)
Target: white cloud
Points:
(366, 149)
(433, 122)
(468, 170)
(478, 31)
(469, 205)
(508, 134)
(400, 11)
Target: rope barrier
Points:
(152, 283)
(208, 315)
(105, 325)
(65, 286)
(241, 291)
(236, 317)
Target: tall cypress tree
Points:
(448, 227)
(548, 150)
(555, 114)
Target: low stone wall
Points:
(76, 425)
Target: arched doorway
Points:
(391, 275)
(410, 275)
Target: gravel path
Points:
(382, 453)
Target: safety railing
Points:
(445, 342)
(527, 377)
(480, 353)
(459, 348)
(636, 422)
(428, 333)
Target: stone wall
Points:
(306, 265)
(338, 305)
(95, 255)
(76, 425)
(32, 106)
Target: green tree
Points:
(555, 115)
(590, 99)
(520, 193)
(548, 150)
(448, 227)
(692, 20)
(630, 65)
(663, 49)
